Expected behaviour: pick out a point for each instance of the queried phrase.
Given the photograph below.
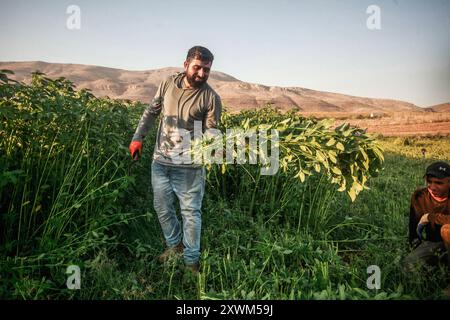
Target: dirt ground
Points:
(398, 124)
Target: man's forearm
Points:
(148, 119)
(439, 218)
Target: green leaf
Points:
(285, 121)
(357, 187)
(336, 170)
(364, 154)
(331, 142)
(300, 175)
(346, 133)
(340, 146)
(288, 137)
(352, 194)
(332, 158)
(320, 156)
(303, 148)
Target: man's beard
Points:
(191, 79)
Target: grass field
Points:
(258, 258)
(70, 195)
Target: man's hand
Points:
(421, 225)
(136, 149)
(424, 219)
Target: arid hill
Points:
(236, 95)
(444, 107)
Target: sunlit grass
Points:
(70, 194)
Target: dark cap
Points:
(439, 170)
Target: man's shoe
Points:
(170, 252)
(194, 267)
(446, 291)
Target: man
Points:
(183, 99)
(429, 221)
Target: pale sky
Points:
(318, 44)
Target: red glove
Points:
(135, 146)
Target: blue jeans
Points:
(188, 185)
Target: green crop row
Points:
(71, 195)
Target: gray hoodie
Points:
(180, 107)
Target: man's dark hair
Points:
(200, 53)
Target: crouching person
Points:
(429, 220)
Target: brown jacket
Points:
(439, 214)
